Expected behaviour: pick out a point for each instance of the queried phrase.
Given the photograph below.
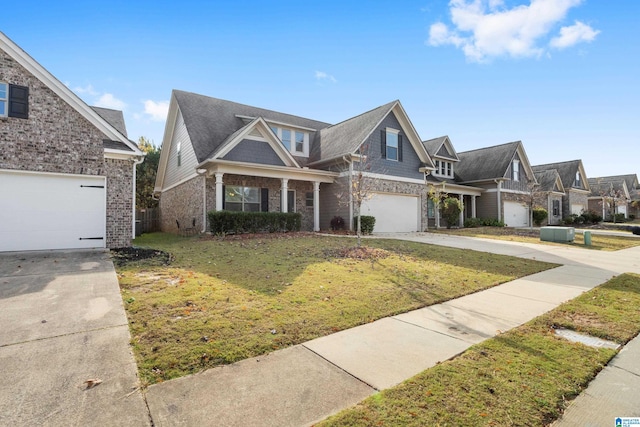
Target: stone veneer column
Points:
(219, 193)
(316, 206)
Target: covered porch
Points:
(467, 196)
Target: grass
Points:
(523, 377)
(222, 301)
(598, 241)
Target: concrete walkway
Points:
(301, 385)
(62, 323)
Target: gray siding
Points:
(487, 205)
(408, 167)
(330, 206)
(252, 151)
(188, 161)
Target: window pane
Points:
(392, 139)
(309, 199)
(233, 206)
(286, 138)
(3, 91)
(3, 108)
(233, 195)
(274, 129)
(252, 207)
(251, 195)
(392, 153)
(299, 142)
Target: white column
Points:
(499, 200)
(461, 198)
(283, 196)
(316, 206)
(219, 194)
(473, 206)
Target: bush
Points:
(223, 222)
(482, 222)
(367, 222)
(539, 215)
(579, 219)
(337, 223)
(451, 208)
(632, 217)
(591, 217)
(472, 222)
(619, 217)
(569, 220)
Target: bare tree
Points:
(611, 199)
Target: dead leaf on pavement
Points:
(92, 382)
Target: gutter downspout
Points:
(133, 213)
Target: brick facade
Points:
(56, 138)
(182, 203)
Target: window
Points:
(179, 153)
(309, 199)
(4, 99)
(431, 211)
(286, 138)
(578, 182)
(392, 144)
(296, 142)
(299, 142)
(516, 170)
(556, 208)
(291, 200)
(245, 199)
(443, 168)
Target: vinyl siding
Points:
(330, 205)
(487, 205)
(188, 161)
(252, 151)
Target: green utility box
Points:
(557, 234)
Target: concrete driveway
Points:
(62, 323)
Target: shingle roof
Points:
(115, 145)
(485, 163)
(566, 170)
(605, 184)
(347, 136)
(114, 117)
(547, 180)
(210, 121)
(432, 145)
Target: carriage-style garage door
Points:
(51, 211)
(516, 214)
(393, 212)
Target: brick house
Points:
(221, 155)
(618, 194)
(67, 171)
(575, 183)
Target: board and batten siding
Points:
(188, 161)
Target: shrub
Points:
(619, 217)
(579, 219)
(569, 220)
(482, 222)
(539, 215)
(223, 222)
(337, 223)
(451, 208)
(367, 222)
(632, 217)
(591, 217)
(473, 222)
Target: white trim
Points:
(392, 130)
(267, 171)
(189, 178)
(25, 60)
(27, 172)
(110, 153)
(385, 177)
(240, 116)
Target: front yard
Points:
(220, 301)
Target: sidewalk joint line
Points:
(340, 368)
(431, 330)
(64, 335)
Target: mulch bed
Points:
(124, 256)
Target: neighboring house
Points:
(575, 183)
(442, 180)
(67, 171)
(549, 194)
(504, 174)
(611, 194)
(222, 155)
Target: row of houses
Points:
(67, 170)
(222, 155)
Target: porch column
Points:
(283, 195)
(219, 193)
(473, 206)
(461, 220)
(316, 206)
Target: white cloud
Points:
(570, 36)
(88, 90)
(484, 29)
(321, 75)
(107, 100)
(156, 110)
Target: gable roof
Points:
(604, 185)
(211, 121)
(567, 171)
(49, 80)
(549, 181)
(489, 163)
(435, 148)
(114, 117)
(346, 138)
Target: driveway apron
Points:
(62, 324)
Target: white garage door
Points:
(393, 212)
(516, 214)
(50, 211)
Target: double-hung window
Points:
(578, 181)
(286, 138)
(516, 170)
(392, 144)
(4, 99)
(245, 199)
(299, 142)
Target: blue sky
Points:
(560, 75)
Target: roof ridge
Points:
(492, 146)
(362, 114)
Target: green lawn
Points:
(523, 377)
(220, 301)
(598, 241)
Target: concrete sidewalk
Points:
(304, 384)
(62, 323)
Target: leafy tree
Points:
(451, 208)
(146, 174)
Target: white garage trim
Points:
(393, 212)
(516, 214)
(42, 211)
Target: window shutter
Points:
(224, 194)
(383, 143)
(264, 200)
(399, 148)
(19, 101)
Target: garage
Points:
(516, 214)
(51, 211)
(393, 212)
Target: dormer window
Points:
(295, 141)
(516, 170)
(443, 168)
